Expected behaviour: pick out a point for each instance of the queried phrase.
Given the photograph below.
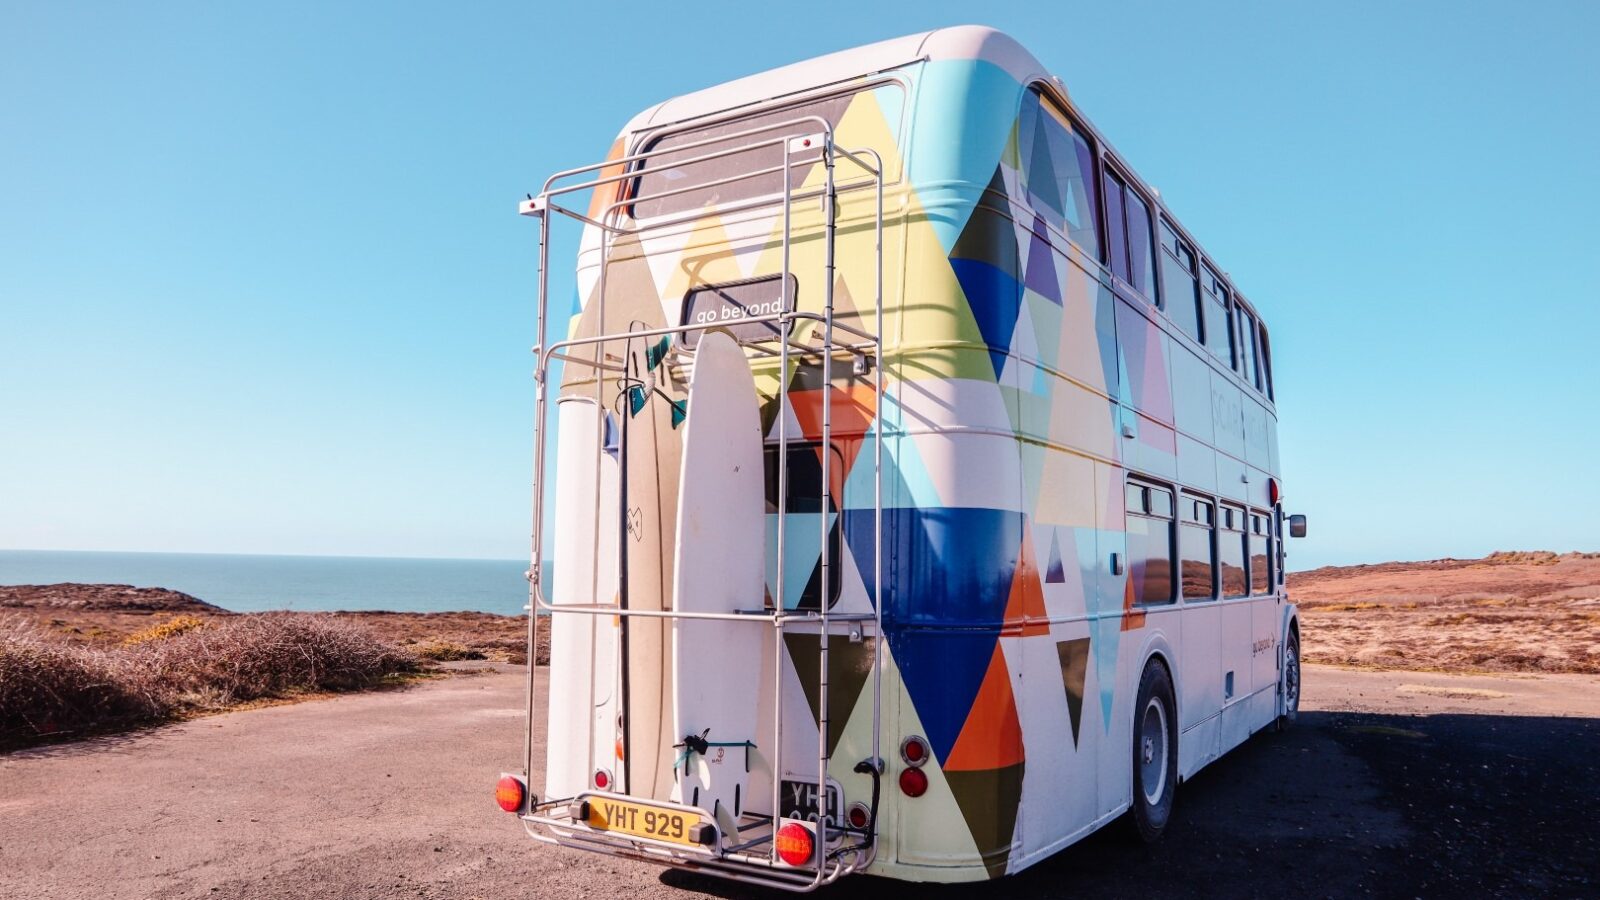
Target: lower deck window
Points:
(1231, 540)
(1150, 539)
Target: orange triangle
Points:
(992, 735)
(606, 194)
(853, 412)
(1025, 612)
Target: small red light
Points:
(1272, 491)
(913, 782)
(602, 779)
(806, 142)
(795, 844)
(858, 816)
(914, 751)
(508, 793)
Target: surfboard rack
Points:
(748, 853)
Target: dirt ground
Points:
(1394, 784)
(1507, 612)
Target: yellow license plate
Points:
(641, 820)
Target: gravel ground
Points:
(1398, 784)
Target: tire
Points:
(1290, 684)
(1155, 753)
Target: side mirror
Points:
(1297, 526)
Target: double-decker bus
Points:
(1013, 568)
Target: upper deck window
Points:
(1058, 168)
(1214, 308)
(1132, 251)
(1178, 282)
(1245, 324)
(673, 172)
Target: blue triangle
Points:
(994, 296)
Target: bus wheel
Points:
(1291, 682)
(1155, 753)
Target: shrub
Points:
(48, 686)
(446, 651)
(170, 628)
(247, 657)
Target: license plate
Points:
(641, 820)
(798, 800)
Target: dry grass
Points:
(171, 628)
(49, 685)
(446, 651)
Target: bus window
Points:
(1149, 527)
(1116, 228)
(1178, 285)
(1058, 168)
(1260, 569)
(1141, 250)
(1214, 305)
(1246, 325)
(1197, 549)
(1132, 254)
(1231, 540)
(1266, 362)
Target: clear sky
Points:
(262, 288)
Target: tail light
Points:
(602, 779)
(913, 782)
(796, 843)
(509, 792)
(914, 750)
(858, 816)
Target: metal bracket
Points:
(533, 206)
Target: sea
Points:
(244, 583)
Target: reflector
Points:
(795, 844)
(913, 782)
(508, 793)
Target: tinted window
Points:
(1150, 549)
(671, 171)
(1117, 231)
(1214, 309)
(1178, 283)
(1196, 553)
(1266, 362)
(1247, 353)
(1141, 250)
(1058, 168)
(1260, 570)
(1231, 552)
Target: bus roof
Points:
(958, 42)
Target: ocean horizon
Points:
(257, 583)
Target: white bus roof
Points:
(959, 42)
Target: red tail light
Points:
(509, 793)
(914, 751)
(795, 844)
(858, 816)
(913, 782)
(602, 779)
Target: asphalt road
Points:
(1394, 784)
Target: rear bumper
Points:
(749, 860)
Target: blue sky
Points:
(262, 288)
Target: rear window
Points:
(672, 171)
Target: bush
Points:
(248, 657)
(446, 651)
(48, 686)
(170, 628)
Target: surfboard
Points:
(720, 567)
(583, 648)
(643, 512)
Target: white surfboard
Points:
(720, 568)
(583, 647)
